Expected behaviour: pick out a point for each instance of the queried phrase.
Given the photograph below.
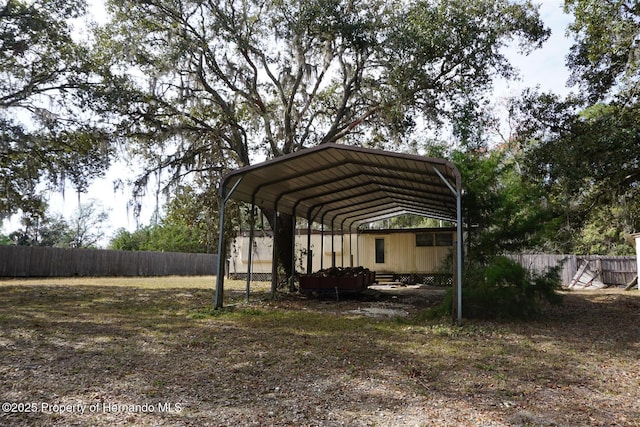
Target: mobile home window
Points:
(379, 251)
(444, 239)
(424, 239)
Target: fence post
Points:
(637, 238)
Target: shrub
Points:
(503, 289)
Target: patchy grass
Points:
(152, 352)
(162, 282)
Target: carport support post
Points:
(309, 251)
(459, 249)
(457, 192)
(333, 249)
(274, 254)
(252, 221)
(342, 243)
(358, 245)
(321, 246)
(293, 253)
(217, 298)
(322, 242)
(351, 244)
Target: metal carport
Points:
(335, 184)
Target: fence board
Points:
(615, 270)
(35, 261)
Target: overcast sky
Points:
(544, 68)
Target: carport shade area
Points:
(343, 187)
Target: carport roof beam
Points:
(344, 172)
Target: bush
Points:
(503, 289)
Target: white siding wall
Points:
(401, 253)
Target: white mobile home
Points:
(407, 251)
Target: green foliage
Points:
(189, 225)
(606, 229)
(503, 289)
(438, 312)
(601, 151)
(124, 240)
(451, 50)
(42, 231)
(173, 238)
(585, 160)
(160, 238)
(505, 212)
(584, 150)
(45, 135)
(217, 81)
(83, 230)
(196, 211)
(409, 221)
(500, 289)
(606, 55)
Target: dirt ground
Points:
(102, 353)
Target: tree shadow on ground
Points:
(297, 361)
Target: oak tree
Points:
(46, 135)
(203, 86)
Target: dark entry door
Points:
(379, 251)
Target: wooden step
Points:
(384, 277)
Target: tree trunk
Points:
(284, 240)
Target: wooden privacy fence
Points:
(35, 261)
(614, 270)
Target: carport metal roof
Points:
(342, 186)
